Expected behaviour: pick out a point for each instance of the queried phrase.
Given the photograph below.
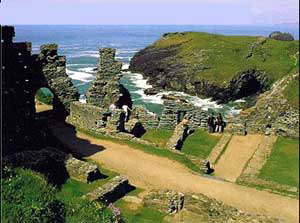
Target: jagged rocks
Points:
(244, 84)
(109, 192)
(106, 89)
(272, 113)
(281, 36)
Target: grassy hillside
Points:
(224, 56)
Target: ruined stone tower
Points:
(106, 89)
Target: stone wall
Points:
(147, 119)
(176, 108)
(22, 75)
(86, 116)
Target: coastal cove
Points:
(80, 44)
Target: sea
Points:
(80, 44)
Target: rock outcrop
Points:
(272, 113)
(281, 36)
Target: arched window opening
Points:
(43, 100)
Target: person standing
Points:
(126, 109)
(219, 123)
(211, 123)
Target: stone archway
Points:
(52, 75)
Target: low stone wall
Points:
(86, 116)
(109, 192)
(55, 164)
(82, 171)
(175, 109)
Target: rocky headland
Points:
(224, 68)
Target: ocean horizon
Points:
(80, 44)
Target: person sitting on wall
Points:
(219, 123)
(126, 109)
(211, 123)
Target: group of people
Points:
(216, 124)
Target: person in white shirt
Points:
(112, 107)
(126, 109)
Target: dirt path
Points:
(239, 150)
(152, 172)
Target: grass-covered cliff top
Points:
(218, 58)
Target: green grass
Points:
(45, 96)
(27, 197)
(141, 215)
(159, 137)
(181, 158)
(200, 144)
(291, 93)
(226, 55)
(79, 210)
(283, 164)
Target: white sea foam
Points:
(81, 64)
(88, 70)
(125, 66)
(239, 101)
(141, 83)
(82, 76)
(82, 99)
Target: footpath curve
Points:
(152, 172)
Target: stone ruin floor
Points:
(194, 208)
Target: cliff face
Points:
(222, 67)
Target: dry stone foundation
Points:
(109, 192)
(199, 208)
